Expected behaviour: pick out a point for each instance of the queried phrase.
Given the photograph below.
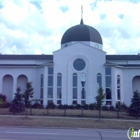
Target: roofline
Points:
(122, 57)
(25, 57)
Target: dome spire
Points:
(82, 15)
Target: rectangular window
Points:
(108, 81)
(41, 84)
(118, 94)
(50, 92)
(59, 92)
(59, 102)
(50, 70)
(108, 71)
(108, 103)
(50, 80)
(108, 93)
(59, 81)
(83, 102)
(41, 93)
(83, 94)
(74, 81)
(74, 93)
(41, 88)
(99, 81)
(74, 102)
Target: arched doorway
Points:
(7, 87)
(136, 83)
(21, 82)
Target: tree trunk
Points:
(118, 113)
(30, 110)
(65, 112)
(47, 110)
(82, 111)
(99, 114)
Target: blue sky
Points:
(36, 26)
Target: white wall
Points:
(63, 63)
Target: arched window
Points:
(118, 87)
(83, 82)
(7, 87)
(21, 82)
(59, 88)
(41, 88)
(108, 84)
(50, 84)
(74, 87)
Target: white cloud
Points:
(36, 26)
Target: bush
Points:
(2, 101)
(123, 106)
(65, 106)
(17, 105)
(86, 106)
(71, 107)
(3, 97)
(37, 105)
(112, 108)
(92, 106)
(51, 105)
(134, 108)
(60, 106)
(78, 106)
(105, 108)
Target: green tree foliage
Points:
(134, 108)
(100, 99)
(2, 100)
(17, 104)
(28, 94)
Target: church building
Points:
(74, 73)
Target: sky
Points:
(37, 26)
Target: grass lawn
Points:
(85, 121)
(67, 122)
(71, 112)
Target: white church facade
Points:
(73, 74)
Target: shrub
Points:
(123, 106)
(2, 103)
(37, 105)
(2, 100)
(92, 106)
(65, 106)
(71, 107)
(17, 104)
(78, 106)
(51, 105)
(86, 106)
(134, 108)
(112, 108)
(105, 108)
(3, 97)
(60, 106)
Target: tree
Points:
(135, 104)
(100, 99)
(28, 94)
(17, 104)
(2, 100)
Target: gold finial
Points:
(82, 12)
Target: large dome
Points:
(81, 32)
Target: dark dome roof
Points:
(81, 32)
